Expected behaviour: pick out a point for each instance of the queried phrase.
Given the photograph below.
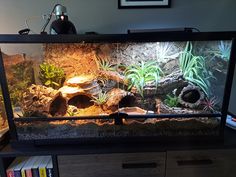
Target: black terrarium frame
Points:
(117, 117)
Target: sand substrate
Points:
(100, 129)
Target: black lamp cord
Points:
(48, 19)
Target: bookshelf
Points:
(39, 163)
(131, 159)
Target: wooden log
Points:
(164, 109)
(114, 97)
(170, 82)
(165, 85)
(191, 96)
(39, 100)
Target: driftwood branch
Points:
(165, 85)
(164, 109)
(39, 100)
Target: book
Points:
(19, 166)
(49, 168)
(42, 166)
(29, 170)
(26, 170)
(10, 169)
(35, 166)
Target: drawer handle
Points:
(194, 162)
(139, 165)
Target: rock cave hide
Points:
(79, 90)
(191, 96)
(43, 101)
(115, 96)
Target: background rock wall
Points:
(78, 59)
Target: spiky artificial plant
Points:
(193, 68)
(140, 74)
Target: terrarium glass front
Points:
(95, 80)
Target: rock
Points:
(112, 75)
(114, 97)
(73, 58)
(191, 96)
(133, 110)
(39, 100)
(81, 101)
(69, 92)
(80, 85)
(72, 110)
(170, 66)
(80, 81)
(79, 90)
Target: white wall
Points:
(103, 16)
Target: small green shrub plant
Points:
(100, 99)
(171, 101)
(51, 76)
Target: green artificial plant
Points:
(51, 76)
(140, 74)
(223, 50)
(165, 51)
(104, 64)
(171, 101)
(100, 99)
(193, 68)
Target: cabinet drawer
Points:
(217, 163)
(115, 165)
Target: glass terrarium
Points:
(136, 86)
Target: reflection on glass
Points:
(3, 118)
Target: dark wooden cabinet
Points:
(201, 163)
(116, 165)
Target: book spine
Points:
(10, 173)
(23, 173)
(49, 172)
(42, 172)
(29, 173)
(17, 173)
(35, 172)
